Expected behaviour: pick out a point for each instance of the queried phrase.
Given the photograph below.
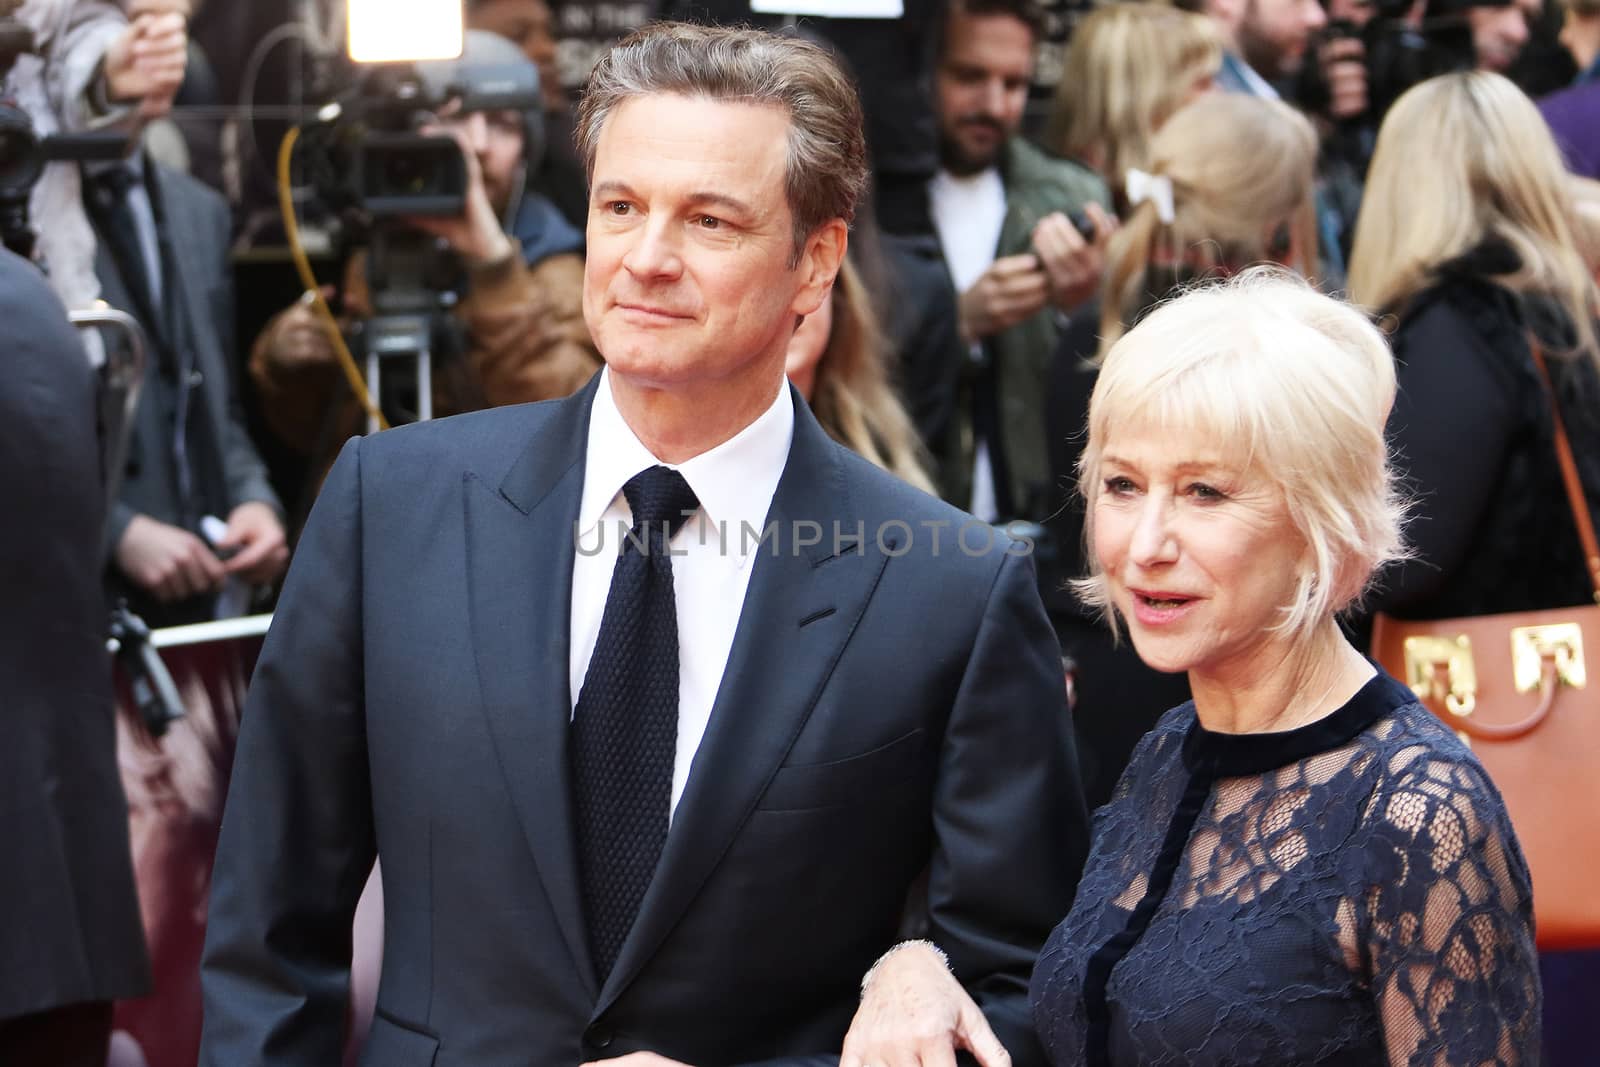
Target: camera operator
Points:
(521, 315)
(94, 67)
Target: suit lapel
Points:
(520, 636)
(805, 603)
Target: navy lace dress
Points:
(1349, 892)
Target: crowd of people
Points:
(993, 504)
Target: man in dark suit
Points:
(162, 256)
(666, 803)
(70, 941)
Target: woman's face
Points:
(806, 348)
(1200, 554)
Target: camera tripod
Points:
(411, 297)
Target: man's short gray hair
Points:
(826, 170)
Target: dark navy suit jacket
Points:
(886, 710)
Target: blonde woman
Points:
(1302, 865)
(1472, 258)
(1129, 67)
(838, 360)
(1229, 185)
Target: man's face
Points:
(1498, 33)
(496, 139)
(982, 87)
(688, 285)
(528, 25)
(1275, 34)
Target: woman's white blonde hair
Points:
(1239, 166)
(1129, 67)
(1462, 158)
(1292, 386)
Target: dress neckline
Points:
(1224, 755)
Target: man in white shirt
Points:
(655, 702)
(1001, 208)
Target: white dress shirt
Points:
(711, 557)
(968, 214)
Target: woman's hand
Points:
(915, 1014)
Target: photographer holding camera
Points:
(521, 314)
(91, 65)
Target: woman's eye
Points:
(1119, 485)
(1202, 491)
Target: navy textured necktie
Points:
(625, 730)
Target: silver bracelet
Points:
(935, 949)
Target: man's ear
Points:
(819, 265)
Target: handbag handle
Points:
(1569, 473)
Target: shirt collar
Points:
(734, 481)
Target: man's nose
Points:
(1315, 16)
(1516, 30)
(994, 98)
(654, 252)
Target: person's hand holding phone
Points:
(1073, 258)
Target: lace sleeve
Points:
(1446, 926)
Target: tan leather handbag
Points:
(1515, 688)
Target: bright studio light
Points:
(395, 31)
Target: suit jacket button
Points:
(598, 1036)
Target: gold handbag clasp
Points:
(1531, 646)
(1441, 669)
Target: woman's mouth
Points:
(1154, 607)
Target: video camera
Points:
(366, 152)
(368, 159)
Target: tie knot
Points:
(659, 495)
(115, 181)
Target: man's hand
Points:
(637, 1059)
(475, 234)
(147, 62)
(167, 561)
(915, 1014)
(1344, 68)
(262, 549)
(299, 337)
(1013, 288)
(1072, 263)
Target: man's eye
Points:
(619, 207)
(709, 222)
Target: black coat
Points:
(1473, 436)
(70, 930)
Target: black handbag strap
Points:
(1569, 473)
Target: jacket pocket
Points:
(842, 782)
(391, 1044)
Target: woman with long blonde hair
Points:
(1229, 185)
(1475, 258)
(1129, 67)
(839, 360)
